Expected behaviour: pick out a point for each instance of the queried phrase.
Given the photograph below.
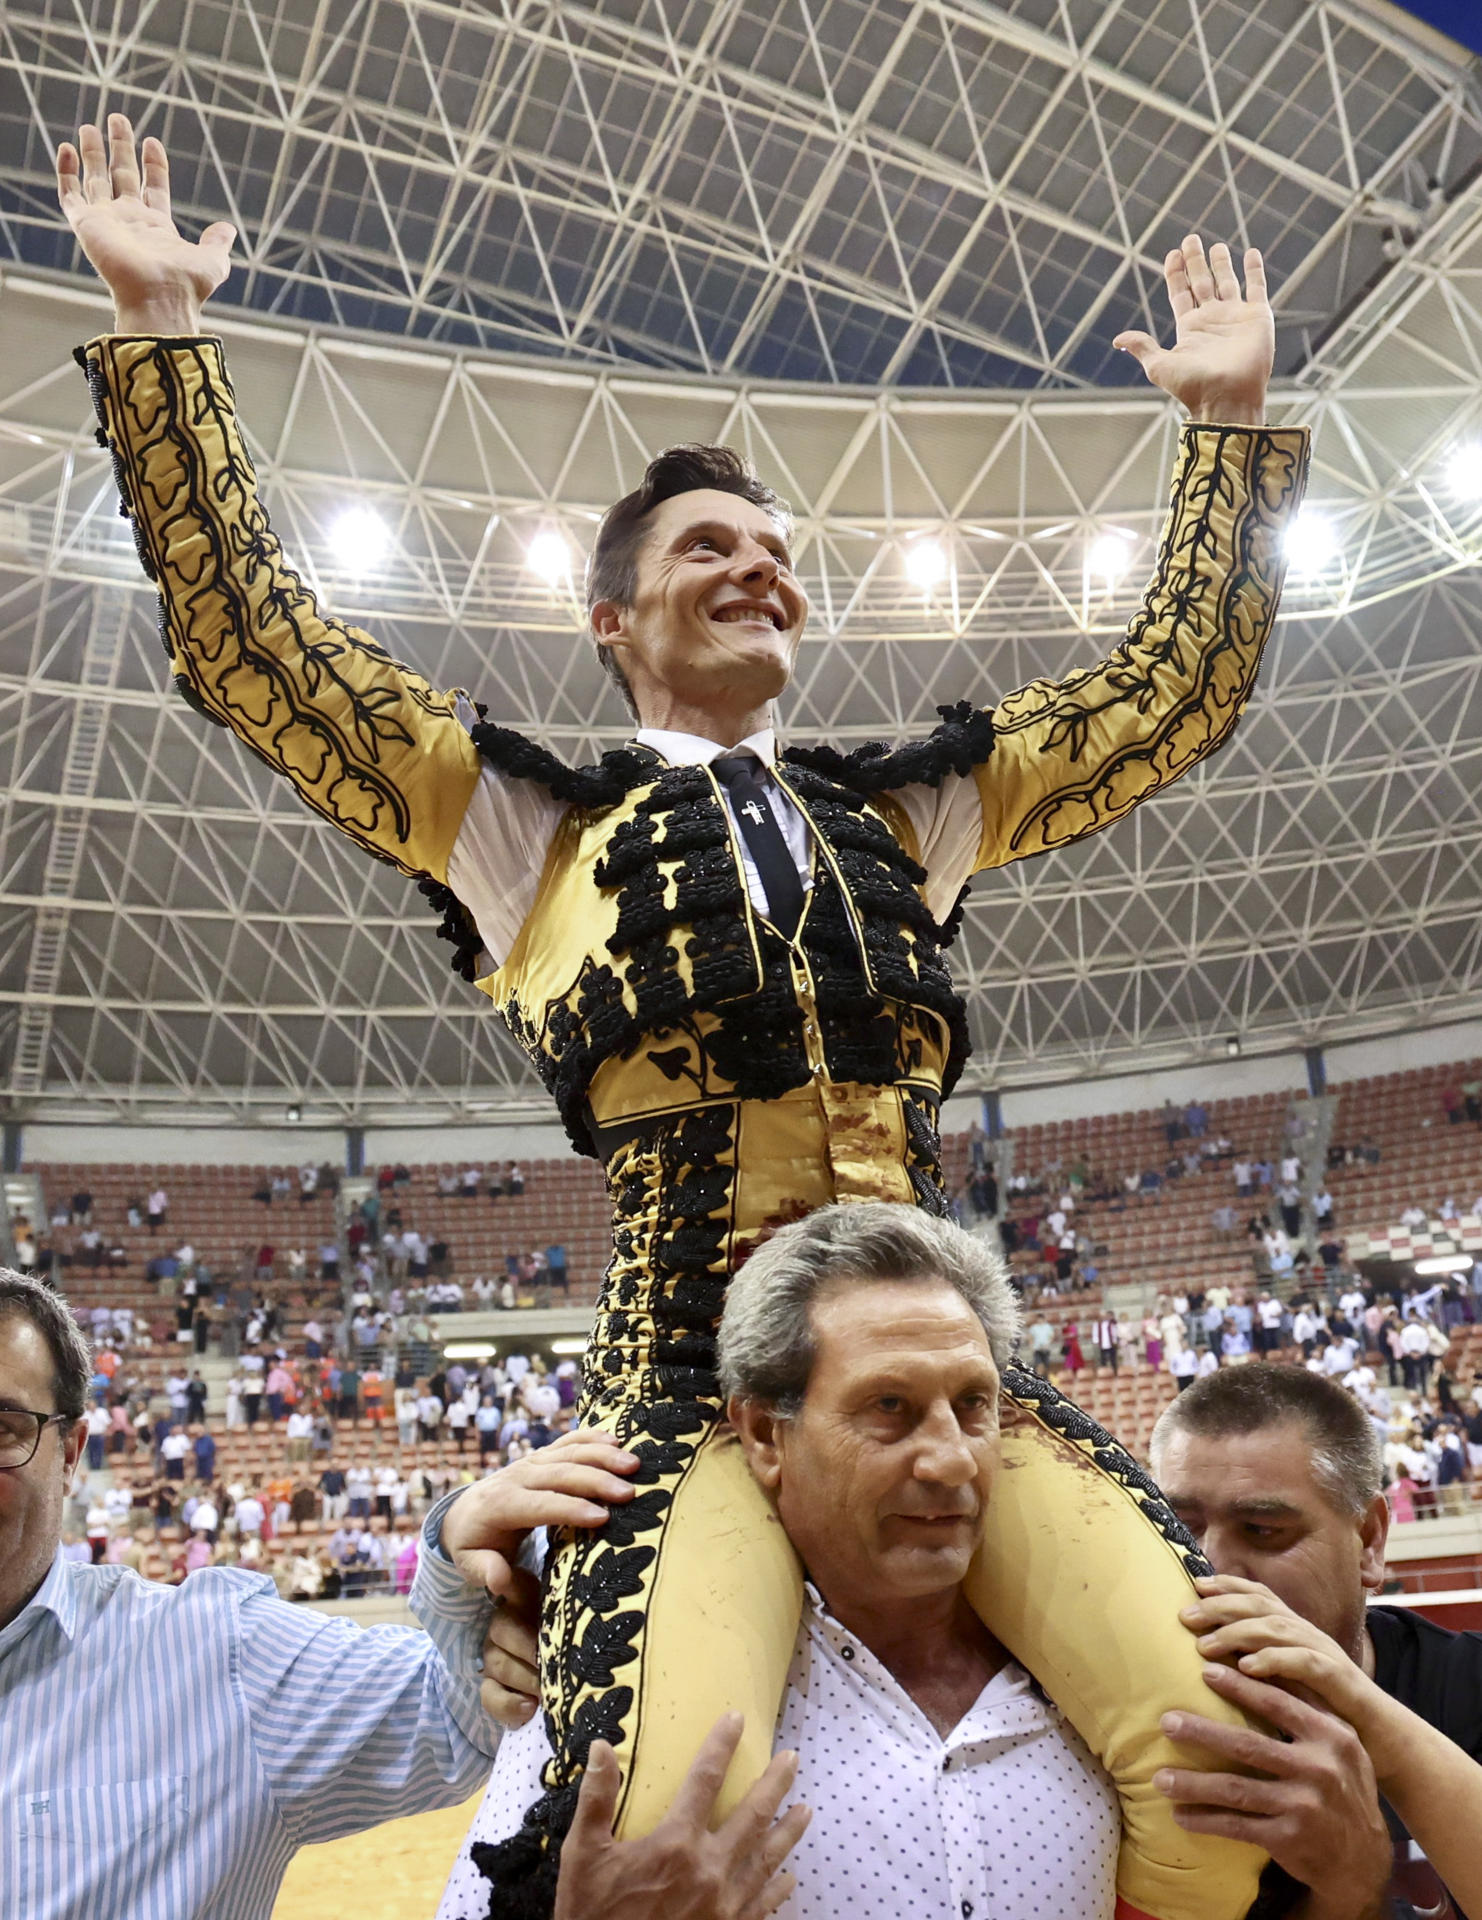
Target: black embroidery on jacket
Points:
(963, 741)
(1064, 1417)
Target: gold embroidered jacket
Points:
(383, 756)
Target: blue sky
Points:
(1462, 19)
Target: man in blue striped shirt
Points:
(164, 1751)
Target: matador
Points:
(727, 964)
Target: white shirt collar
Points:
(690, 750)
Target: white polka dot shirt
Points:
(1007, 1818)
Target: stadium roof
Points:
(494, 258)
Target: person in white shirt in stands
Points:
(155, 1208)
(299, 1434)
(173, 1449)
(429, 1415)
(942, 1783)
(1413, 1217)
(249, 1516)
(456, 1419)
(98, 1422)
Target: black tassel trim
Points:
(523, 1870)
(457, 926)
(606, 784)
(963, 741)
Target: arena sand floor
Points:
(395, 1872)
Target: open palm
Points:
(123, 222)
(1224, 340)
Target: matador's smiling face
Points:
(717, 612)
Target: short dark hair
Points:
(22, 1298)
(612, 570)
(1346, 1455)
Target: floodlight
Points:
(1232, 1047)
(1445, 1263)
(568, 1346)
(1312, 543)
(294, 1115)
(549, 557)
(469, 1350)
(1464, 470)
(361, 540)
(1109, 556)
(926, 564)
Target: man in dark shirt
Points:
(1437, 1675)
(1276, 1471)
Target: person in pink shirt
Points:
(406, 1564)
(1402, 1497)
(279, 1389)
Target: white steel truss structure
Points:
(496, 257)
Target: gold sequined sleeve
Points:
(1071, 756)
(366, 742)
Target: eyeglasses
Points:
(20, 1434)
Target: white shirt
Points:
(497, 859)
(1007, 1818)
(249, 1514)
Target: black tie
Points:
(741, 776)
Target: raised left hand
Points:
(1224, 341)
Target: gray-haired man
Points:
(860, 1352)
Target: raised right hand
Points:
(682, 1870)
(159, 280)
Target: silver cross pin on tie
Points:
(753, 813)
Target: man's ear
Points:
(72, 1446)
(1374, 1535)
(607, 622)
(760, 1433)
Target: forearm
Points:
(356, 1725)
(1436, 1789)
(1073, 756)
(366, 743)
(456, 1617)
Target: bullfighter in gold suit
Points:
(727, 963)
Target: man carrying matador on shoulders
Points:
(727, 964)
